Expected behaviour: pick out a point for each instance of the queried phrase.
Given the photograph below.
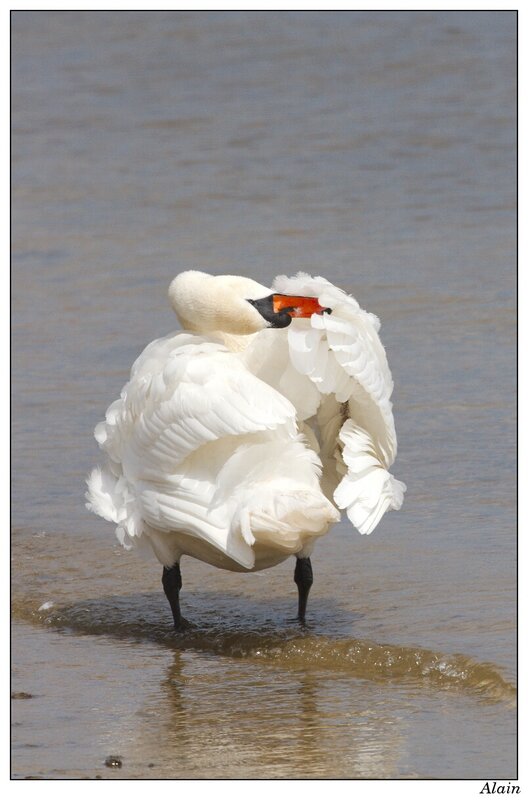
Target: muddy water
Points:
(378, 150)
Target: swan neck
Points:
(237, 344)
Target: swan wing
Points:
(182, 442)
(185, 392)
(342, 356)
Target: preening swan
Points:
(239, 439)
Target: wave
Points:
(290, 648)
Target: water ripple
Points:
(287, 648)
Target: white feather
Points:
(236, 449)
(367, 490)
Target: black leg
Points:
(172, 583)
(303, 577)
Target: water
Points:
(377, 149)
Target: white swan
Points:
(237, 440)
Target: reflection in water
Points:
(267, 725)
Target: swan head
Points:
(233, 304)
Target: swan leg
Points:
(172, 583)
(303, 577)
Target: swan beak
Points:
(297, 306)
(279, 309)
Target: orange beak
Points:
(298, 306)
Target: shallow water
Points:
(377, 149)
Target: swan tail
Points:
(286, 520)
(278, 502)
(367, 489)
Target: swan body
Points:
(239, 440)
